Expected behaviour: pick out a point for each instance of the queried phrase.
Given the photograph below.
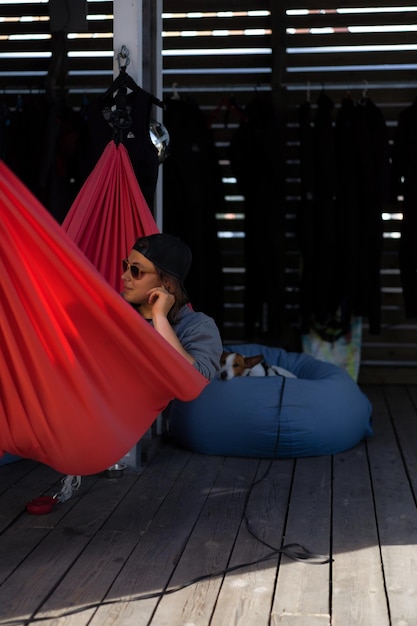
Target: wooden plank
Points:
(99, 8)
(24, 28)
(87, 582)
(12, 473)
(394, 334)
(211, 22)
(332, 19)
(94, 569)
(33, 9)
(83, 589)
(394, 353)
(185, 513)
(233, 44)
(391, 374)
(358, 582)
(66, 532)
(401, 402)
(212, 539)
(413, 395)
(149, 569)
(246, 594)
(220, 63)
(353, 54)
(396, 514)
(302, 590)
(173, 6)
(218, 74)
(147, 495)
(20, 483)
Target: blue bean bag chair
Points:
(8, 458)
(320, 412)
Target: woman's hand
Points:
(161, 301)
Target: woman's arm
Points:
(164, 328)
(160, 302)
(194, 335)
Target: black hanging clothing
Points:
(42, 145)
(59, 177)
(24, 138)
(405, 184)
(193, 194)
(304, 224)
(255, 158)
(344, 168)
(362, 187)
(136, 139)
(316, 219)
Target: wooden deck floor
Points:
(125, 552)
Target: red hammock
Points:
(82, 375)
(109, 213)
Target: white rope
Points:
(70, 484)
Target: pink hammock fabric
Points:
(82, 375)
(109, 213)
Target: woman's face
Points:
(135, 290)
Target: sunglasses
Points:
(135, 271)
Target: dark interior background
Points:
(234, 184)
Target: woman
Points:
(153, 277)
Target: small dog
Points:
(235, 364)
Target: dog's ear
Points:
(224, 357)
(251, 361)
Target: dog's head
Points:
(234, 364)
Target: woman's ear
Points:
(168, 285)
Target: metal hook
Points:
(123, 55)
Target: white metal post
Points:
(145, 67)
(128, 31)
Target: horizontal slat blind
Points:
(369, 48)
(31, 39)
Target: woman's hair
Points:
(176, 288)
